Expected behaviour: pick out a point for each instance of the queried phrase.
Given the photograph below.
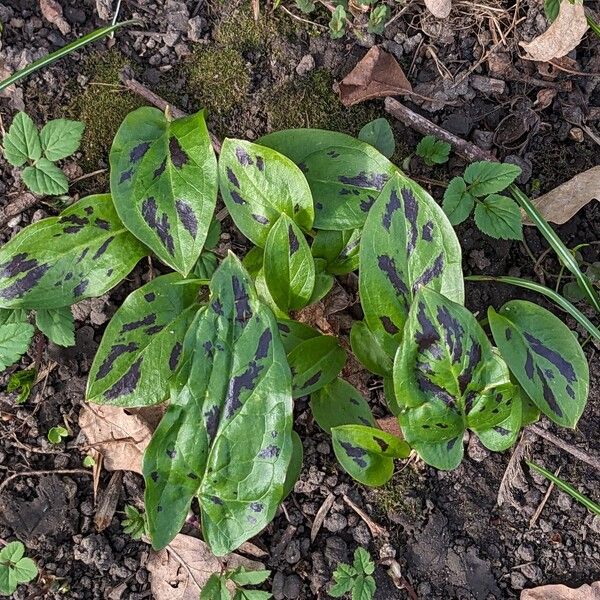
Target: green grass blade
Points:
(569, 489)
(557, 245)
(593, 25)
(95, 35)
(554, 296)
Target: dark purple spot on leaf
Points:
(154, 329)
(174, 356)
(427, 231)
(355, 453)
(160, 169)
(89, 210)
(192, 475)
(388, 325)
(80, 288)
(17, 264)
(564, 367)
(256, 506)
(260, 219)
(237, 198)
(243, 157)
(293, 240)
(429, 274)
(549, 396)
(365, 205)
(127, 383)
(68, 276)
(82, 255)
(269, 452)
(454, 332)
(147, 320)
(162, 226)
(501, 430)
(474, 358)
(245, 381)
(318, 206)
(125, 176)
(216, 500)
(451, 443)
(388, 265)
(366, 180)
(154, 476)
(313, 380)
(390, 208)
(138, 152)
(232, 178)
(411, 212)
(150, 297)
(529, 365)
(103, 247)
(260, 163)
(116, 351)
(429, 388)
(283, 328)
(381, 443)
(212, 417)
(217, 307)
(187, 217)
(428, 336)
(264, 342)
(178, 155)
(508, 334)
(171, 453)
(102, 224)
(241, 301)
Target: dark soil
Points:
(445, 529)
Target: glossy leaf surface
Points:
(545, 357)
(340, 403)
(164, 183)
(314, 363)
(258, 185)
(226, 436)
(407, 244)
(339, 250)
(368, 348)
(345, 174)
(289, 267)
(367, 453)
(58, 261)
(141, 347)
(447, 376)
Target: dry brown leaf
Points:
(53, 13)
(563, 35)
(439, 8)
(120, 437)
(562, 592)
(564, 201)
(377, 75)
(180, 571)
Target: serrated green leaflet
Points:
(141, 346)
(14, 341)
(57, 325)
(60, 138)
(234, 379)
(163, 179)
(367, 453)
(45, 178)
(499, 217)
(545, 357)
(22, 142)
(485, 177)
(407, 243)
(345, 175)
(339, 403)
(368, 348)
(289, 267)
(95, 252)
(458, 202)
(339, 250)
(258, 185)
(447, 376)
(433, 151)
(314, 363)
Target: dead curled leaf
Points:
(439, 8)
(121, 437)
(562, 592)
(377, 75)
(563, 35)
(563, 202)
(182, 569)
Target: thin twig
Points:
(376, 530)
(576, 452)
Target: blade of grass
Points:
(554, 296)
(552, 238)
(569, 489)
(64, 51)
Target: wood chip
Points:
(563, 35)
(563, 202)
(320, 516)
(107, 504)
(377, 75)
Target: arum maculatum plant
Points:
(217, 340)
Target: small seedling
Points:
(56, 434)
(22, 382)
(135, 522)
(15, 568)
(89, 461)
(337, 24)
(378, 19)
(433, 151)
(495, 215)
(356, 579)
(25, 145)
(216, 587)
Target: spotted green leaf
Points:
(294, 333)
(407, 243)
(163, 178)
(339, 403)
(45, 178)
(258, 185)
(61, 138)
(367, 347)
(503, 435)
(226, 436)
(339, 250)
(545, 357)
(367, 453)
(22, 142)
(14, 342)
(94, 252)
(447, 377)
(57, 325)
(345, 174)
(315, 363)
(141, 346)
(289, 267)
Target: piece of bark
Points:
(20, 204)
(377, 75)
